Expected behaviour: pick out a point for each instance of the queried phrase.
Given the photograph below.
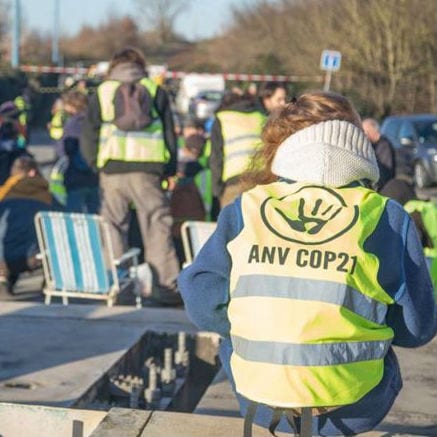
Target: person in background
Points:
(273, 96)
(202, 177)
(56, 124)
(12, 142)
(128, 137)
(22, 102)
(311, 276)
(71, 177)
(23, 194)
(186, 201)
(384, 151)
(235, 137)
(252, 89)
(424, 214)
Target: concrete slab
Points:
(123, 422)
(39, 421)
(52, 355)
(165, 424)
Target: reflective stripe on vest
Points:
(146, 145)
(241, 137)
(307, 311)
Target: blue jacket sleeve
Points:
(413, 316)
(204, 285)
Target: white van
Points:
(194, 83)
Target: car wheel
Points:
(421, 177)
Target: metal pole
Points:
(15, 55)
(328, 76)
(55, 39)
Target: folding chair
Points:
(77, 258)
(194, 236)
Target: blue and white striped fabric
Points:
(75, 253)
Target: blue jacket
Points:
(204, 286)
(17, 230)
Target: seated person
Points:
(311, 277)
(23, 194)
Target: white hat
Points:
(333, 153)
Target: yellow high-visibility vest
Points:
(241, 138)
(57, 125)
(146, 145)
(306, 309)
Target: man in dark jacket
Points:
(384, 151)
(132, 162)
(23, 194)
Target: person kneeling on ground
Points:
(22, 195)
(311, 276)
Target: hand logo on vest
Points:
(314, 221)
(311, 215)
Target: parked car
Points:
(204, 104)
(194, 83)
(414, 138)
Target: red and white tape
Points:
(51, 69)
(180, 74)
(250, 77)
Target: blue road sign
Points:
(330, 60)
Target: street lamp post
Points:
(55, 38)
(15, 49)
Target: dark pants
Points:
(83, 200)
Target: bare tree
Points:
(4, 27)
(160, 15)
(389, 47)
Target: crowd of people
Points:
(316, 232)
(119, 142)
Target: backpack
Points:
(133, 107)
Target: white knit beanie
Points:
(333, 153)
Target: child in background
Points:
(186, 202)
(73, 182)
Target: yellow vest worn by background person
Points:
(307, 312)
(428, 212)
(203, 180)
(146, 145)
(57, 122)
(241, 133)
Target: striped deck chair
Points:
(77, 258)
(194, 235)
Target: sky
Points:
(203, 19)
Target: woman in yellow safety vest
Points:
(311, 276)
